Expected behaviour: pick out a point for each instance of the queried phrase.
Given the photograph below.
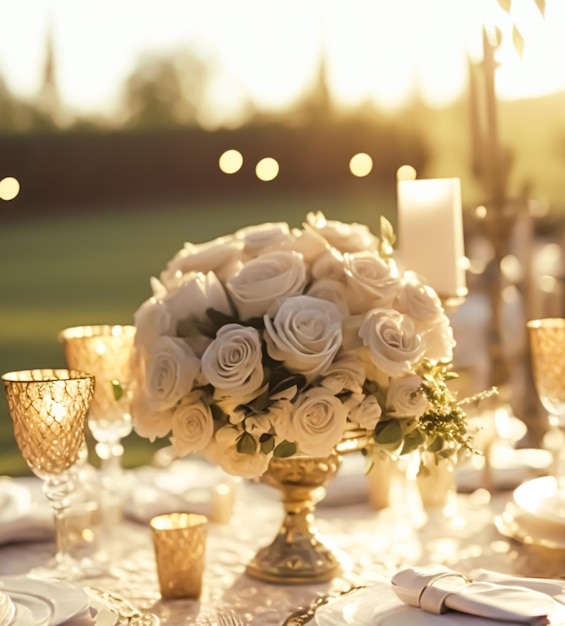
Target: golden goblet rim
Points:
(45, 375)
(97, 331)
(546, 323)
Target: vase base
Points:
(284, 564)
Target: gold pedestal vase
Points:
(298, 553)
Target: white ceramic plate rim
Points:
(529, 497)
(66, 599)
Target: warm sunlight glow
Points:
(406, 172)
(231, 161)
(267, 169)
(361, 164)
(9, 188)
(375, 51)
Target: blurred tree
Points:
(166, 92)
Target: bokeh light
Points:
(267, 169)
(9, 188)
(231, 161)
(361, 164)
(406, 172)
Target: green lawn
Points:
(95, 267)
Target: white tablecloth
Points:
(374, 544)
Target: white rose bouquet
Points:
(275, 341)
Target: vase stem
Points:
(298, 553)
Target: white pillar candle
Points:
(430, 233)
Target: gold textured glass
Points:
(547, 345)
(105, 351)
(48, 409)
(179, 540)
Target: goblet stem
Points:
(57, 489)
(112, 474)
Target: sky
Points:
(268, 51)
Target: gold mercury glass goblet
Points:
(105, 351)
(547, 345)
(48, 409)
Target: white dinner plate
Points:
(378, 605)
(50, 602)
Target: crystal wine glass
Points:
(547, 346)
(105, 351)
(48, 409)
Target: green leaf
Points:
(436, 445)
(518, 41)
(267, 443)
(246, 444)
(260, 403)
(388, 432)
(220, 319)
(284, 449)
(412, 441)
(282, 380)
(505, 5)
(194, 328)
(541, 6)
(256, 322)
(117, 390)
(217, 414)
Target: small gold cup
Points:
(179, 540)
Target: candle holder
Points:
(48, 409)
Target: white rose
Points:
(260, 238)
(233, 361)
(404, 397)
(192, 426)
(280, 416)
(331, 290)
(309, 244)
(218, 255)
(420, 302)
(266, 279)
(319, 420)
(152, 320)
(439, 342)
(195, 295)
(148, 422)
(222, 451)
(171, 371)
(329, 265)
(392, 341)
(366, 414)
(305, 334)
(371, 281)
(345, 237)
(344, 374)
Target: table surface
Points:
(373, 545)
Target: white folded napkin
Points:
(437, 589)
(7, 609)
(25, 514)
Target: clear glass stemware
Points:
(48, 409)
(547, 346)
(104, 350)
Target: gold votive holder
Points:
(179, 540)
